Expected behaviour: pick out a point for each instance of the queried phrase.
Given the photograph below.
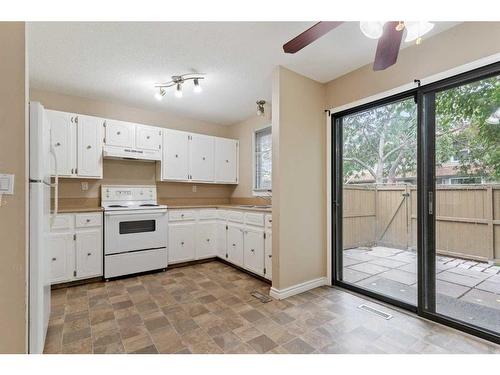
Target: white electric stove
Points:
(135, 230)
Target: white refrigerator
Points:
(40, 154)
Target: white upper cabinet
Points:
(120, 133)
(226, 160)
(201, 158)
(63, 141)
(175, 162)
(89, 146)
(148, 137)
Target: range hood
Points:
(128, 153)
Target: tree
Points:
(381, 141)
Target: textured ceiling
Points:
(120, 61)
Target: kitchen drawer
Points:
(62, 222)
(253, 218)
(207, 214)
(235, 216)
(134, 262)
(88, 220)
(269, 221)
(222, 214)
(181, 215)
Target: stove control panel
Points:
(119, 193)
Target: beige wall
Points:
(132, 172)
(459, 45)
(244, 132)
(13, 215)
(299, 175)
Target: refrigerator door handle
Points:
(55, 185)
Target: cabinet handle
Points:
(89, 147)
(182, 243)
(72, 170)
(71, 119)
(89, 254)
(227, 161)
(270, 256)
(148, 137)
(234, 244)
(88, 220)
(203, 158)
(118, 133)
(58, 144)
(176, 155)
(54, 259)
(252, 250)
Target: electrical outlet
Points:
(85, 186)
(194, 188)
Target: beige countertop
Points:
(76, 209)
(221, 206)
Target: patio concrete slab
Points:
(349, 261)
(402, 277)
(458, 278)
(387, 262)
(405, 256)
(372, 269)
(489, 286)
(380, 251)
(410, 267)
(473, 313)
(470, 273)
(480, 297)
(353, 276)
(361, 256)
(443, 266)
(390, 288)
(450, 289)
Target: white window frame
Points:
(258, 192)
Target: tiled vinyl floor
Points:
(207, 308)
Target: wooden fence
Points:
(467, 218)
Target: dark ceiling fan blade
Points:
(310, 35)
(388, 46)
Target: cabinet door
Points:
(205, 239)
(175, 163)
(120, 133)
(181, 242)
(62, 257)
(148, 137)
(63, 141)
(268, 255)
(235, 245)
(226, 160)
(88, 253)
(201, 157)
(89, 146)
(221, 239)
(253, 253)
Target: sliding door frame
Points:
(426, 225)
(337, 187)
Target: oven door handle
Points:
(150, 213)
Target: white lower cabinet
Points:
(206, 239)
(253, 250)
(268, 255)
(75, 245)
(235, 244)
(241, 238)
(181, 242)
(62, 255)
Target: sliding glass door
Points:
(377, 177)
(416, 200)
(462, 122)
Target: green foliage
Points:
(381, 141)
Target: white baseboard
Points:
(298, 288)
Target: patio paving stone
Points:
(451, 289)
(489, 286)
(349, 261)
(483, 298)
(458, 278)
(387, 262)
(403, 277)
(353, 276)
(391, 288)
(372, 269)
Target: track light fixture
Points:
(178, 81)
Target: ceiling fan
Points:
(389, 35)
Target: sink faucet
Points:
(268, 196)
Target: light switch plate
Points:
(7, 184)
(194, 188)
(85, 186)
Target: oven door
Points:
(126, 231)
